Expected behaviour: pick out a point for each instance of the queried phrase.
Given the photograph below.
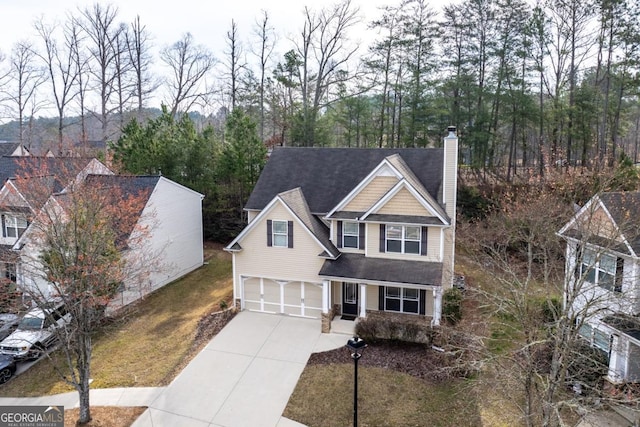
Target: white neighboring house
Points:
(602, 282)
(173, 213)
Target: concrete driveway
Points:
(244, 376)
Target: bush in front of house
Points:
(452, 305)
(391, 328)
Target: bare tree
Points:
(324, 54)
(552, 276)
(99, 24)
(124, 83)
(139, 49)
(233, 64)
(62, 70)
(24, 78)
(190, 65)
(266, 36)
(78, 248)
(81, 63)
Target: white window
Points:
(14, 226)
(350, 232)
(403, 300)
(403, 239)
(280, 237)
(603, 270)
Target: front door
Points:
(350, 299)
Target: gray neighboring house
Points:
(348, 231)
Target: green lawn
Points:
(151, 344)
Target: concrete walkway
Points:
(243, 377)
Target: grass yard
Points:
(149, 345)
(324, 398)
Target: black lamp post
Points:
(356, 346)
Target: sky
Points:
(206, 20)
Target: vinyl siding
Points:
(174, 247)
(403, 203)
(599, 223)
(256, 259)
(369, 195)
(372, 298)
(450, 176)
(433, 245)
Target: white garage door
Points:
(282, 297)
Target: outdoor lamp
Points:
(356, 347)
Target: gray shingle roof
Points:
(327, 175)
(629, 325)
(11, 167)
(358, 267)
(128, 184)
(295, 200)
(8, 148)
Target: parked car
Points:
(7, 368)
(8, 324)
(35, 332)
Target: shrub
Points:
(452, 305)
(386, 327)
(549, 309)
(587, 366)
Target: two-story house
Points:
(170, 251)
(602, 289)
(342, 231)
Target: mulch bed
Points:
(417, 360)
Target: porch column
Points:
(617, 351)
(363, 300)
(241, 290)
(437, 306)
(282, 283)
(326, 295)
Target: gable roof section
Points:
(12, 149)
(622, 210)
(295, 202)
(327, 175)
(409, 182)
(63, 168)
(142, 185)
(134, 186)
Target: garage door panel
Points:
(267, 295)
(292, 294)
(252, 294)
(313, 296)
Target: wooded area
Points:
(526, 84)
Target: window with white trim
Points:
(402, 300)
(596, 338)
(9, 271)
(350, 234)
(14, 226)
(404, 239)
(603, 270)
(279, 231)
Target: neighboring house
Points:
(14, 149)
(172, 212)
(602, 284)
(341, 231)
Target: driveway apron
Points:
(243, 377)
